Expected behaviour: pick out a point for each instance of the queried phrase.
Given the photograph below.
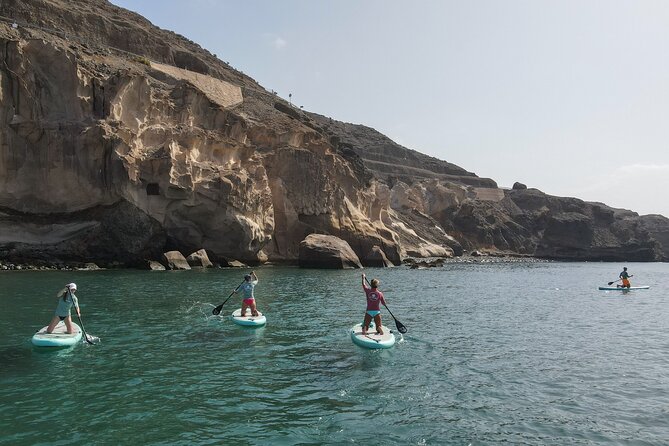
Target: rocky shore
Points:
(413, 263)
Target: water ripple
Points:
(505, 354)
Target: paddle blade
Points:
(216, 311)
(400, 327)
(92, 339)
(610, 283)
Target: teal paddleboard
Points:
(58, 338)
(372, 339)
(613, 288)
(248, 320)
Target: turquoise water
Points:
(519, 353)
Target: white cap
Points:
(72, 286)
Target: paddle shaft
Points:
(216, 311)
(80, 321)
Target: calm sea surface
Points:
(517, 353)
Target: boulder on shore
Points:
(154, 265)
(327, 251)
(199, 259)
(175, 260)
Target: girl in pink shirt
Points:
(374, 299)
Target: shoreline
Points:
(409, 262)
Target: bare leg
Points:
(254, 311)
(68, 324)
(377, 321)
(365, 323)
(52, 324)
(244, 307)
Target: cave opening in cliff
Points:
(152, 189)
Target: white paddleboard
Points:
(613, 288)
(371, 339)
(58, 338)
(248, 320)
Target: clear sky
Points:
(568, 96)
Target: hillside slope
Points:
(120, 141)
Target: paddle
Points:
(87, 337)
(400, 326)
(216, 311)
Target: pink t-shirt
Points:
(374, 298)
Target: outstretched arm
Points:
(364, 285)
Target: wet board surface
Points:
(612, 288)
(248, 320)
(371, 339)
(58, 338)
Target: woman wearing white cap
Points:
(246, 288)
(64, 307)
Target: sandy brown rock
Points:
(175, 260)
(154, 265)
(199, 259)
(327, 251)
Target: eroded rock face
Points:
(115, 158)
(327, 251)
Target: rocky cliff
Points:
(120, 141)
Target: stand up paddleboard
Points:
(613, 288)
(248, 320)
(371, 339)
(58, 338)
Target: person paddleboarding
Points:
(625, 276)
(248, 299)
(374, 301)
(66, 299)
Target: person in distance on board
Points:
(248, 300)
(626, 278)
(63, 310)
(374, 299)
